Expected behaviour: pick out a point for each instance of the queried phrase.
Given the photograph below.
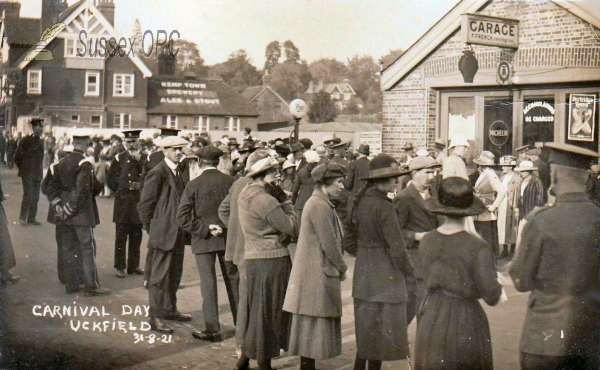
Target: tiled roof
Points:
(328, 88)
(70, 10)
(230, 103)
(336, 127)
(251, 91)
(23, 31)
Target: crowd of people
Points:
(279, 216)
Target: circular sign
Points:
(504, 71)
(298, 108)
(498, 133)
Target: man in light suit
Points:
(158, 204)
(198, 213)
(416, 220)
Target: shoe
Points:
(121, 273)
(23, 223)
(34, 223)
(181, 285)
(10, 278)
(178, 316)
(146, 284)
(503, 255)
(160, 326)
(97, 292)
(136, 271)
(74, 290)
(209, 336)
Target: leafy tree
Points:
(391, 57)
(290, 80)
(189, 59)
(363, 73)
(136, 35)
(292, 53)
(374, 102)
(330, 70)
(272, 54)
(351, 108)
(238, 61)
(322, 108)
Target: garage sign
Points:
(492, 31)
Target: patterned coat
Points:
(532, 197)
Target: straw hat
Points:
(525, 166)
(508, 160)
(312, 156)
(485, 159)
(262, 166)
(288, 164)
(458, 141)
(456, 198)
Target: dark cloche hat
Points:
(247, 147)
(327, 170)
(37, 122)
(306, 142)
(131, 135)
(364, 149)
(295, 147)
(164, 131)
(210, 153)
(383, 166)
(456, 198)
(569, 155)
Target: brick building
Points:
(57, 82)
(274, 111)
(551, 94)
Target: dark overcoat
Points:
(159, 200)
(358, 169)
(44, 188)
(199, 208)
(229, 215)
(557, 259)
(303, 189)
(315, 287)
(75, 187)
(124, 173)
(30, 157)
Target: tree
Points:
(363, 74)
(351, 108)
(292, 53)
(290, 80)
(238, 61)
(391, 57)
(136, 35)
(322, 108)
(330, 70)
(272, 54)
(189, 59)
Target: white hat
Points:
(290, 157)
(288, 164)
(262, 166)
(311, 156)
(171, 142)
(321, 151)
(68, 148)
(458, 141)
(525, 166)
(423, 153)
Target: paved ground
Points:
(44, 342)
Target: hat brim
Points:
(477, 208)
(365, 152)
(525, 169)
(264, 169)
(476, 161)
(390, 172)
(430, 166)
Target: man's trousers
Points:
(84, 237)
(165, 277)
(31, 197)
(133, 232)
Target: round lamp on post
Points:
(297, 110)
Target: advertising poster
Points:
(582, 110)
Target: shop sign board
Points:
(172, 92)
(538, 112)
(582, 110)
(498, 133)
(491, 31)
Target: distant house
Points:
(341, 93)
(274, 111)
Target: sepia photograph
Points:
(300, 184)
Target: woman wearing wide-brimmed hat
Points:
(508, 212)
(382, 269)
(453, 331)
(490, 190)
(532, 189)
(314, 294)
(266, 216)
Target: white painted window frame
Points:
(123, 94)
(37, 91)
(87, 83)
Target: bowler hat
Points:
(245, 148)
(262, 166)
(455, 198)
(439, 143)
(327, 170)
(210, 153)
(233, 141)
(486, 158)
(282, 149)
(383, 166)
(364, 149)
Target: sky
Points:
(319, 28)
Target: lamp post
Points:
(297, 110)
(12, 86)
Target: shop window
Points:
(461, 122)
(497, 126)
(123, 84)
(92, 83)
(75, 118)
(582, 117)
(96, 121)
(34, 81)
(538, 121)
(123, 121)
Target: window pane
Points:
(538, 121)
(461, 122)
(95, 120)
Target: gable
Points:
(85, 16)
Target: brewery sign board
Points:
(491, 31)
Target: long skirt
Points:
(319, 338)
(7, 254)
(489, 232)
(452, 333)
(381, 330)
(268, 325)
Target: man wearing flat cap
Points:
(72, 193)
(198, 214)
(416, 220)
(125, 180)
(162, 191)
(557, 260)
(29, 158)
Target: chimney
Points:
(51, 10)
(311, 86)
(266, 78)
(107, 8)
(166, 63)
(320, 86)
(12, 9)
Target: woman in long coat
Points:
(303, 184)
(508, 214)
(382, 270)
(7, 253)
(453, 331)
(314, 294)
